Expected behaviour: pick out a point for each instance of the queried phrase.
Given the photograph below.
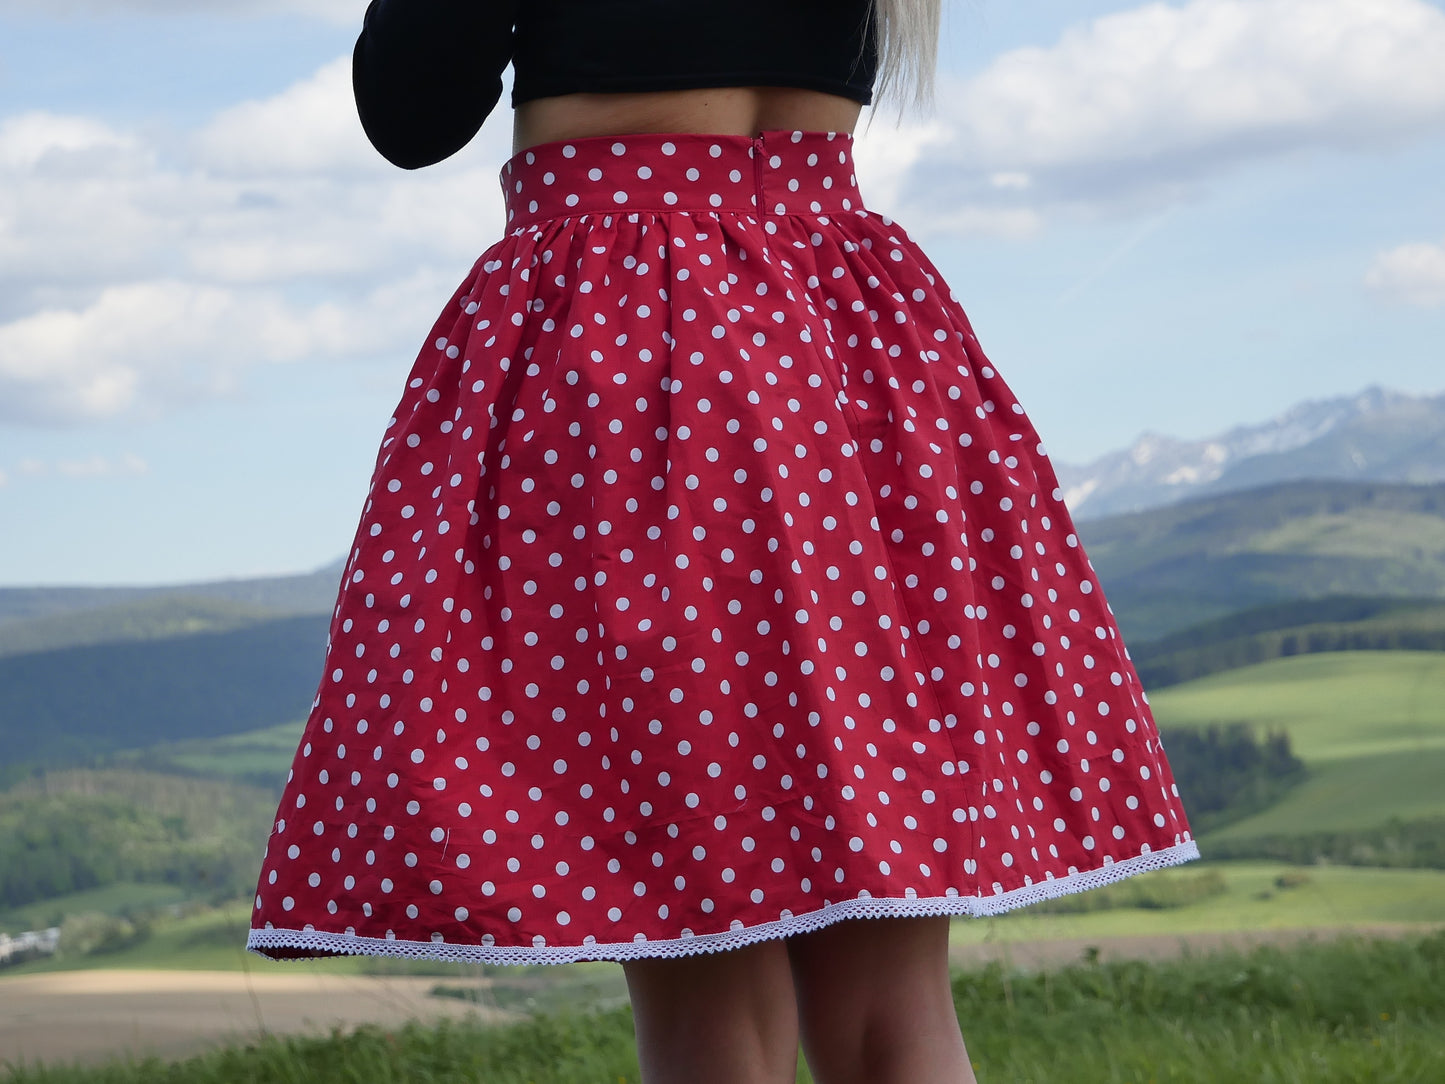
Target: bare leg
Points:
(717, 1017)
(875, 1005)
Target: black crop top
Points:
(427, 73)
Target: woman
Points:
(713, 593)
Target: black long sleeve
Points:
(427, 73)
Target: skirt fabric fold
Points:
(712, 586)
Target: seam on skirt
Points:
(842, 389)
(749, 212)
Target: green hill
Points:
(310, 592)
(1299, 627)
(157, 618)
(1164, 570)
(1369, 726)
(74, 831)
(74, 704)
(1335, 706)
(257, 757)
(1169, 568)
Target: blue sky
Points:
(1172, 217)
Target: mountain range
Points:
(1375, 436)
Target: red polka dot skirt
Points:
(711, 587)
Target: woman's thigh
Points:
(716, 1018)
(875, 1004)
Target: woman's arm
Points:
(426, 74)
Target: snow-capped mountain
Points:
(1377, 435)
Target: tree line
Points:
(1226, 773)
(1157, 670)
(1398, 844)
(53, 845)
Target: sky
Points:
(1170, 217)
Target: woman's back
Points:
(724, 110)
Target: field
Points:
(1339, 1012)
(113, 899)
(1355, 793)
(1335, 706)
(256, 756)
(1327, 897)
(1330, 896)
(1369, 725)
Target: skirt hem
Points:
(313, 943)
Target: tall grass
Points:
(1348, 1011)
(1342, 1012)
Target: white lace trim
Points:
(338, 944)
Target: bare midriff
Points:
(743, 111)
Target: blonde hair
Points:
(908, 32)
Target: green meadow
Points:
(1335, 706)
(1353, 793)
(255, 756)
(1256, 896)
(1369, 725)
(1340, 1012)
(122, 897)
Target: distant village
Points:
(27, 945)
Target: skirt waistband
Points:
(778, 172)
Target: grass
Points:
(1343, 1011)
(1323, 1013)
(112, 899)
(1368, 725)
(1354, 535)
(212, 939)
(1333, 896)
(1335, 706)
(251, 757)
(1358, 793)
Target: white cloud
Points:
(127, 464)
(886, 158)
(1141, 105)
(98, 466)
(132, 279)
(30, 140)
(80, 204)
(1414, 274)
(309, 128)
(152, 343)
